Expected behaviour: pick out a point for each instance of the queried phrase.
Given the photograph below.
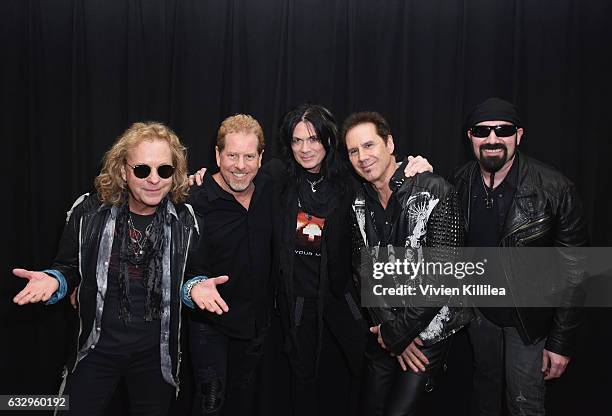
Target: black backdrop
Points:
(76, 73)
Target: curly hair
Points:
(240, 123)
(110, 184)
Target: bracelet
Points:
(190, 286)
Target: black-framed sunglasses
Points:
(502, 130)
(143, 171)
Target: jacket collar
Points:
(114, 209)
(522, 210)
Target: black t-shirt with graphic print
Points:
(307, 262)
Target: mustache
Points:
(492, 146)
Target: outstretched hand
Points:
(205, 295)
(197, 178)
(40, 287)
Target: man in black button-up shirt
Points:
(230, 315)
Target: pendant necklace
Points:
(488, 197)
(314, 183)
(137, 238)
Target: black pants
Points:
(96, 377)
(505, 366)
(390, 391)
(347, 329)
(224, 370)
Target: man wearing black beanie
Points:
(511, 200)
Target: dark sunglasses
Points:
(503, 130)
(143, 171)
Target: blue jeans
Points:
(504, 364)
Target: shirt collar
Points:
(511, 178)
(214, 191)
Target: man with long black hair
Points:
(316, 296)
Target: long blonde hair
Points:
(110, 184)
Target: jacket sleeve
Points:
(444, 237)
(195, 269)
(571, 232)
(65, 267)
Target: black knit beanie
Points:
(494, 109)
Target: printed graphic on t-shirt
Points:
(308, 234)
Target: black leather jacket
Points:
(439, 226)
(545, 211)
(83, 258)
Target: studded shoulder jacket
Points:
(429, 217)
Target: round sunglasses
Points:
(502, 130)
(143, 171)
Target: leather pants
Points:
(390, 391)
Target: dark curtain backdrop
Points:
(76, 73)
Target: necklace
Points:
(314, 183)
(488, 197)
(137, 238)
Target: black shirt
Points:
(384, 218)
(486, 225)
(238, 243)
(137, 334)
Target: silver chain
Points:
(137, 238)
(314, 183)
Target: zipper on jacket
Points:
(533, 236)
(178, 364)
(519, 228)
(76, 357)
(524, 226)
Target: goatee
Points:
(492, 164)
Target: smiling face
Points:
(371, 157)
(494, 153)
(239, 161)
(307, 148)
(145, 194)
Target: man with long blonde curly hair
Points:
(124, 251)
(111, 184)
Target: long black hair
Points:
(322, 120)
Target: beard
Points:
(492, 164)
(234, 185)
